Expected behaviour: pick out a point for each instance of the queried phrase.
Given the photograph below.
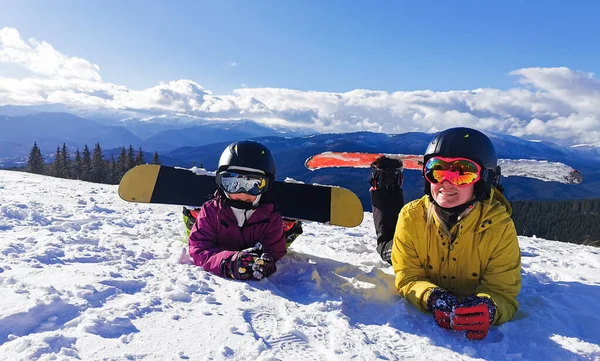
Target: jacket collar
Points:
(483, 215)
(261, 213)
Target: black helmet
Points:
(248, 154)
(467, 143)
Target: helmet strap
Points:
(236, 203)
(482, 190)
(240, 204)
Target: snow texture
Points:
(87, 276)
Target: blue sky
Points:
(315, 45)
(524, 68)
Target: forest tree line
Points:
(573, 221)
(87, 165)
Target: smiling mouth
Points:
(448, 193)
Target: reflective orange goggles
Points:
(458, 171)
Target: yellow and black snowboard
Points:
(152, 183)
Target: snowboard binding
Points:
(292, 229)
(386, 176)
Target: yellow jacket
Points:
(480, 255)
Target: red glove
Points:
(441, 303)
(474, 315)
(442, 318)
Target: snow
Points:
(539, 169)
(87, 276)
(200, 171)
(586, 145)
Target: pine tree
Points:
(155, 159)
(566, 221)
(121, 164)
(86, 164)
(99, 171)
(139, 159)
(130, 158)
(113, 171)
(65, 162)
(77, 166)
(35, 162)
(57, 167)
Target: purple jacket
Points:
(216, 236)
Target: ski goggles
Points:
(235, 182)
(458, 171)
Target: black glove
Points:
(263, 266)
(441, 304)
(239, 265)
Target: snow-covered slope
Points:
(84, 275)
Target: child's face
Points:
(242, 197)
(447, 195)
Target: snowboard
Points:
(151, 183)
(531, 168)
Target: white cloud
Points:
(551, 103)
(232, 63)
(43, 59)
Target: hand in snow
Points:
(239, 265)
(441, 303)
(263, 266)
(250, 263)
(474, 315)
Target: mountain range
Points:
(19, 131)
(181, 142)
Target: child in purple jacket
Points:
(239, 234)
